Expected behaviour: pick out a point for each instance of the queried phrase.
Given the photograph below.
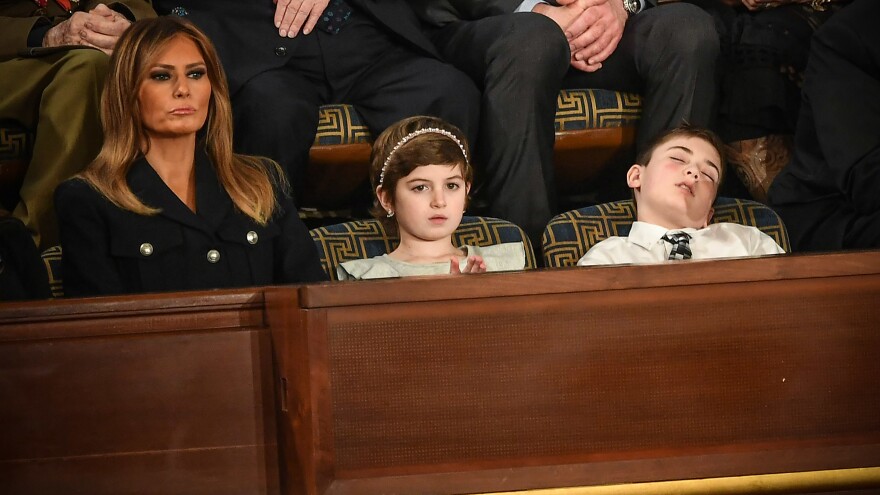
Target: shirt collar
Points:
(647, 234)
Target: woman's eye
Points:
(196, 74)
(160, 76)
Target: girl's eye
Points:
(452, 186)
(420, 188)
(160, 76)
(196, 74)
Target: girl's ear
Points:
(467, 188)
(384, 198)
(634, 177)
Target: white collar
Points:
(646, 234)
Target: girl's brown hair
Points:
(246, 179)
(400, 149)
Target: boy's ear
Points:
(709, 217)
(634, 176)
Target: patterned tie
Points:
(681, 249)
(334, 16)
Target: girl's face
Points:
(429, 202)
(176, 93)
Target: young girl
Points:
(421, 172)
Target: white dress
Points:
(498, 258)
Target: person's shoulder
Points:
(736, 229)
(76, 189)
(601, 252)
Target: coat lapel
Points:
(149, 187)
(212, 201)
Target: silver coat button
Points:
(213, 256)
(146, 249)
(252, 237)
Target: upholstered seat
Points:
(570, 235)
(360, 239)
(16, 145)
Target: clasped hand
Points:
(593, 29)
(98, 28)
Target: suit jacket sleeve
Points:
(87, 268)
(18, 18)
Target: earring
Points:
(390, 213)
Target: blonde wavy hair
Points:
(249, 181)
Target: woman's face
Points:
(175, 95)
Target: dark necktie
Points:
(681, 249)
(334, 16)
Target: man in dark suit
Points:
(521, 60)
(53, 61)
(376, 58)
(829, 194)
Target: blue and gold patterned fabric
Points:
(15, 141)
(341, 124)
(52, 260)
(361, 239)
(576, 110)
(570, 235)
(16, 145)
(583, 109)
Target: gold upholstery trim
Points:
(803, 482)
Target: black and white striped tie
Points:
(681, 249)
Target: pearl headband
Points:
(410, 136)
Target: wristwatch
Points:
(632, 6)
(817, 5)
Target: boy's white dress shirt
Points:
(644, 244)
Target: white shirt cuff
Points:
(528, 5)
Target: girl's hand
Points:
(475, 264)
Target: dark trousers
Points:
(276, 112)
(668, 54)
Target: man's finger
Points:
(297, 20)
(98, 40)
(584, 66)
(108, 26)
(280, 9)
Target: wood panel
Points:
(588, 377)
(112, 395)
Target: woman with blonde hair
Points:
(167, 205)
